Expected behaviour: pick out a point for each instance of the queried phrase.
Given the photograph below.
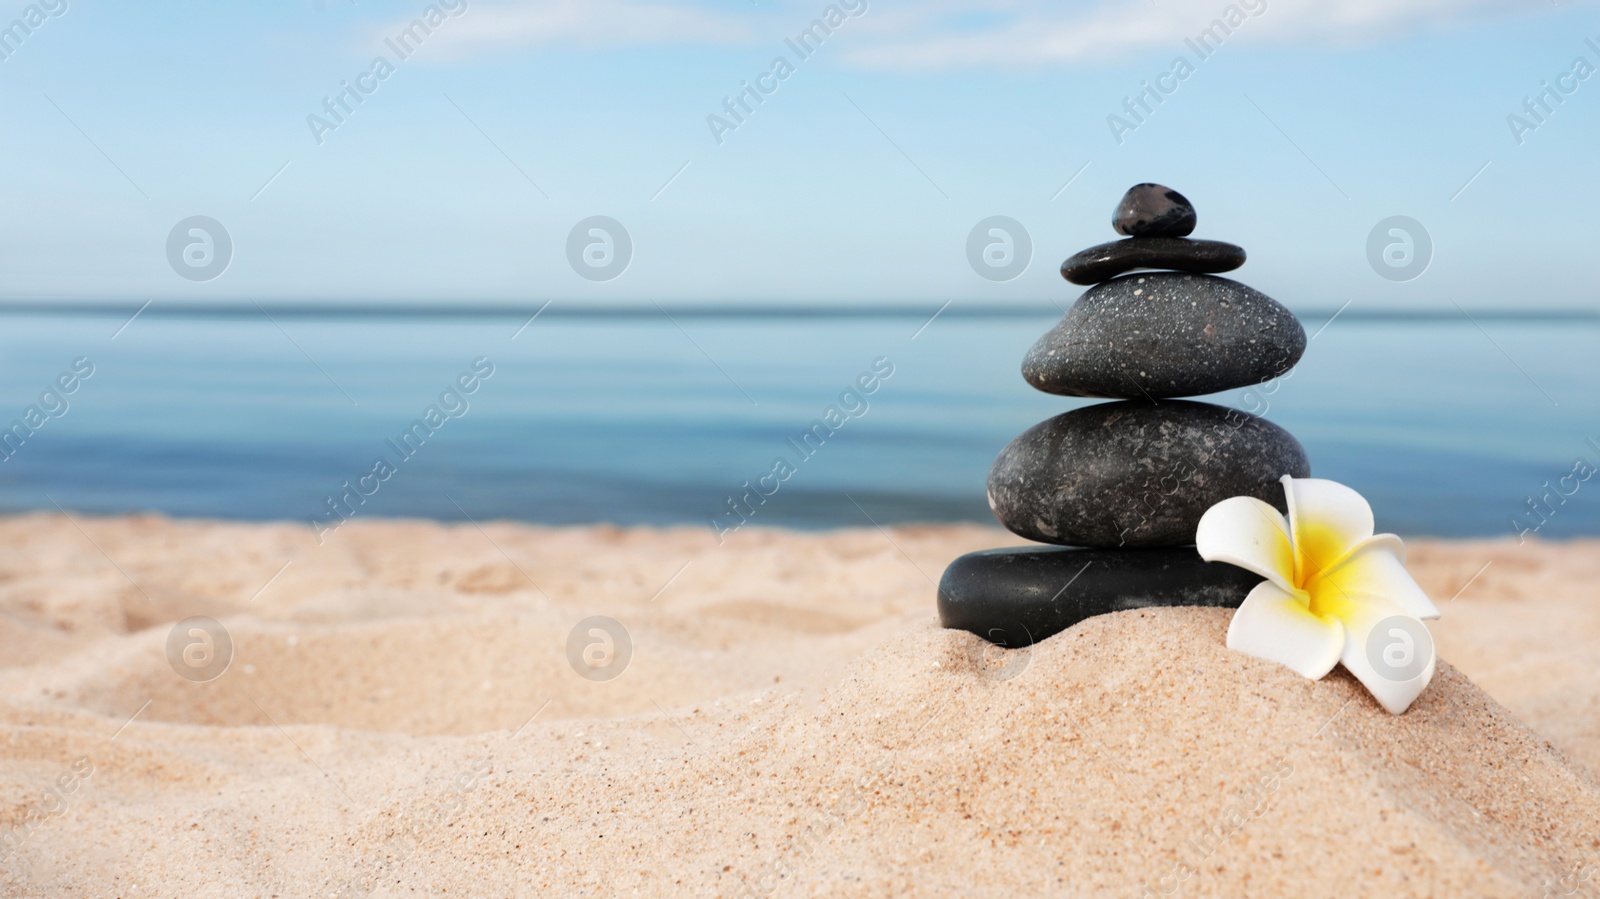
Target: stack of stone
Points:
(1121, 485)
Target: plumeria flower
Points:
(1333, 593)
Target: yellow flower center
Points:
(1316, 549)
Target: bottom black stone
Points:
(1020, 595)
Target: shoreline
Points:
(1004, 537)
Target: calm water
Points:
(631, 421)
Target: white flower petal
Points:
(1274, 625)
(1388, 650)
(1376, 567)
(1246, 532)
(1326, 520)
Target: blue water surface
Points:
(1447, 426)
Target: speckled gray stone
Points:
(1154, 210)
(1108, 260)
(1165, 334)
(1137, 473)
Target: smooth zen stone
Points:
(1018, 596)
(1161, 334)
(1109, 260)
(1137, 473)
(1152, 210)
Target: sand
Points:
(400, 717)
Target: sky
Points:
(464, 173)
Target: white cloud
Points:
(592, 23)
(935, 34)
(1039, 34)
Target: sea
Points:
(1451, 425)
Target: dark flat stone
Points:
(1018, 596)
(1108, 260)
(1154, 210)
(1137, 473)
(1163, 334)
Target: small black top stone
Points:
(1153, 210)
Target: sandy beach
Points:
(400, 717)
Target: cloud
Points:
(1037, 34)
(939, 34)
(591, 23)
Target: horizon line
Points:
(300, 309)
